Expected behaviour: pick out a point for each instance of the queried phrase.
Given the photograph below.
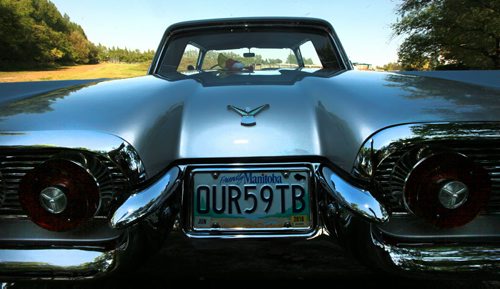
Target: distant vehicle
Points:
(251, 128)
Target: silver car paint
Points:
(172, 120)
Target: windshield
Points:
(249, 50)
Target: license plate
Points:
(251, 200)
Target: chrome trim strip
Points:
(55, 263)
(391, 139)
(357, 200)
(143, 202)
(317, 232)
(110, 146)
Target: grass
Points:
(102, 70)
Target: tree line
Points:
(440, 34)
(33, 33)
(116, 54)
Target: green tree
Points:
(308, 61)
(34, 33)
(291, 59)
(453, 33)
(15, 30)
(274, 61)
(391, 66)
(80, 47)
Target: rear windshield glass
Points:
(250, 51)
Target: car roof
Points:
(250, 21)
(219, 41)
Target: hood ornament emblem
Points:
(247, 114)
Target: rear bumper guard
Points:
(355, 199)
(144, 202)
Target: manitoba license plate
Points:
(251, 199)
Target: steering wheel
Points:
(214, 66)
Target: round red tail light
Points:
(447, 189)
(59, 195)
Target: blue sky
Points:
(362, 25)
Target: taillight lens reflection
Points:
(59, 195)
(447, 189)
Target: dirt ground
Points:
(102, 70)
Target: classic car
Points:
(226, 141)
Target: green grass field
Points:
(102, 70)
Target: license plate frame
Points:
(191, 227)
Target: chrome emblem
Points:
(453, 194)
(247, 114)
(53, 200)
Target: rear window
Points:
(260, 58)
(249, 50)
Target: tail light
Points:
(447, 189)
(59, 195)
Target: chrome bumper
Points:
(55, 263)
(135, 212)
(143, 202)
(418, 249)
(445, 259)
(30, 252)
